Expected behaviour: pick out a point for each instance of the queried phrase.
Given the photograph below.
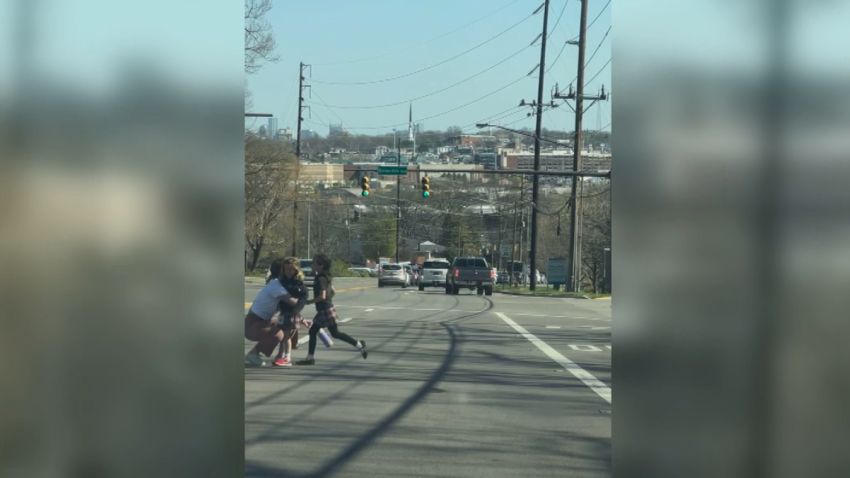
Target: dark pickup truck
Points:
(471, 273)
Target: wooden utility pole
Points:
(536, 186)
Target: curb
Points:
(542, 296)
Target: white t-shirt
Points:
(265, 304)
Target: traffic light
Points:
(426, 187)
(364, 184)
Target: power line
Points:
(558, 20)
(325, 104)
(429, 67)
(382, 55)
(441, 90)
(447, 111)
(599, 72)
(594, 19)
(598, 46)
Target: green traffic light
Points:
(426, 194)
(364, 193)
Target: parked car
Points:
(393, 274)
(434, 273)
(471, 273)
(306, 266)
(503, 277)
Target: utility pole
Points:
(397, 200)
(309, 209)
(301, 107)
(574, 258)
(536, 186)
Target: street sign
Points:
(556, 270)
(392, 170)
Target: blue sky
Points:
(370, 40)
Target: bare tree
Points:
(259, 40)
(270, 174)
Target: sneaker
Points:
(307, 361)
(254, 360)
(363, 350)
(282, 362)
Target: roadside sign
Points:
(556, 270)
(392, 170)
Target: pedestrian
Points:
(323, 293)
(290, 314)
(261, 320)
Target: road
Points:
(454, 386)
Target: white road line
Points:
(592, 382)
(342, 321)
(553, 326)
(372, 308)
(585, 348)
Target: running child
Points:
(323, 293)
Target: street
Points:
(454, 386)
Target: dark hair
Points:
(275, 270)
(323, 261)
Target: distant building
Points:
(309, 134)
(558, 160)
(271, 129)
(311, 173)
(475, 140)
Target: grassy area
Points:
(543, 291)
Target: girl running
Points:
(325, 313)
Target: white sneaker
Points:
(254, 360)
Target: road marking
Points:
(370, 308)
(600, 328)
(592, 382)
(585, 348)
(553, 326)
(345, 320)
(560, 316)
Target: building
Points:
(271, 129)
(558, 160)
(335, 129)
(475, 140)
(313, 173)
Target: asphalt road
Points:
(454, 386)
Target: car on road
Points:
(393, 274)
(503, 277)
(306, 266)
(471, 273)
(434, 273)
